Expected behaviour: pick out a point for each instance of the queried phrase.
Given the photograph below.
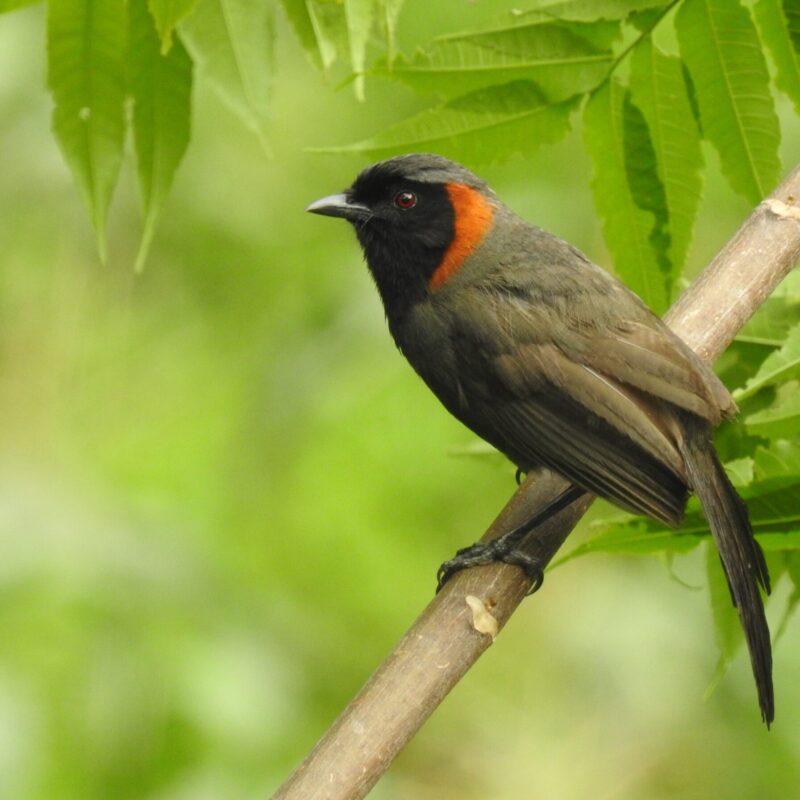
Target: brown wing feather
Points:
(590, 398)
(611, 401)
(586, 451)
(654, 360)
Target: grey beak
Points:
(337, 205)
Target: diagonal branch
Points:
(446, 639)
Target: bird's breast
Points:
(426, 339)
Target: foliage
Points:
(510, 86)
(86, 41)
(204, 400)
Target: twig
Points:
(461, 621)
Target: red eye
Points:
(405, 200)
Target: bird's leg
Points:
(506, 548)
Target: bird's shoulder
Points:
(545, 310)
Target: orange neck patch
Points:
(473, 218)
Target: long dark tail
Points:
(740, 553)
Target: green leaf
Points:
(330, 29)
(792, 568)
(391, 16)
(721, 48)
(780, 542)
(646, 188)
(777, 466)
(740, 471)
(643, 537)
(780, 365)
(627, 227)
(775, 33)
(659, 90)
(359, 15)
(232, 42)
(499, 34)
(771, 324)
(791, 11)
(775, 519)
(564, 59)
(591, 10)
(779, 420)
(11, 5)
(167, 14)
(637, 537)
(770, 482)
(775, 511)
(482, 126)
(789, 287)
(86, 43)
(161, 88)
(297, 12)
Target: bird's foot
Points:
(487, 553)
(506, 547)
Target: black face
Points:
(404, 231)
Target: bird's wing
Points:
(591, 399)
(590, 429)
(651, 358)
(554, 431)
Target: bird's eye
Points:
(405, 200)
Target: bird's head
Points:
(417, 217)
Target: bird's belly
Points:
(427, 341)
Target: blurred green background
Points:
(224, 495)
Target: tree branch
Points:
(446, 639)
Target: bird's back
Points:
(556, 363)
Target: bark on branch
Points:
(459, 623)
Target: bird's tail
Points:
(740, 553)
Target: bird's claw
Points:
(471, 556)
(480, 553)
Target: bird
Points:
(554, 362)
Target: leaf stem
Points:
(642, 36)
